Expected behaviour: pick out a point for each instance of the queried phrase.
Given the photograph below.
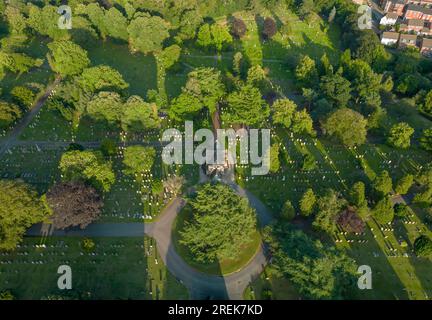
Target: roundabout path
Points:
(200, 285)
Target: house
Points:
(414, 11)
(406, 40)
(426, 31)
(389, 19)
(393, 6)
(415, 25)
(389, 38)
(426, 47)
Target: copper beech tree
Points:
(73, 204)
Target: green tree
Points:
(245, 106)
(138, 159)
(274, 158)
(139, 115)
(283, 112)
(307, 203)
(365, 82)
(206, 85)
(222, 224)
(16, 20)
(96, 15)
(106, 106)
(288, 212)
(400, 135)
(306, 72)
(427, 103)
(423, 246)
(44, 21)
(20, 208)
(89, 166)
(328, 208)
(221, 36)
(67, 58)
(214, 35)
(9, 113)
(383, 211)
(17, 63)
(116, 24)
(147, 33)
(184, 107)
(404, 184)
(6, 295)
(336, 89)
(426, 140)
(169, 56)
(302, 123)
(108, 147)
(23, 96)
(88, 244)
(383, 183)
(358, 194)
(204, 37)
(101, 78)
(316, 270)
(189, 23)
(347, 125)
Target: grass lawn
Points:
(118, 268)
(218, 267)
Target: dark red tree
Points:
(270, 28)
(238, 28)
(73, 204)
(350, 221)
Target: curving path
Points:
(200, 285)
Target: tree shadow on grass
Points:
(419, 272)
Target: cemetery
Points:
(83, 113)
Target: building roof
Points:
(415, 23)
(390, 35)
(426, 43)
(392, 15)
(408, 37)
(415, 7)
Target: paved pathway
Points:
(200, 285)
(11, 139)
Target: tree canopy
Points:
(73, 204)
(222, 224)
(206, 85)
(102, 78)
(400, 135)
(88, 166)
(138, 159)
(347, 125)
(20, 208)
(317, 271)
(67, 58)
(147, 33)
(107, 106)
(245, 106)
